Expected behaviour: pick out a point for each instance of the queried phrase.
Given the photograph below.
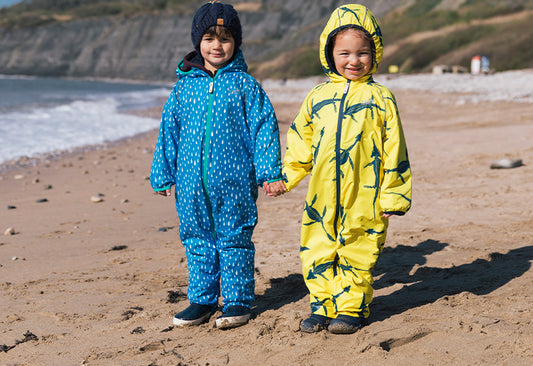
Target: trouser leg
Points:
(339, 276)
(318, 258)
(204, 272)
(352, 289)
(237, 269)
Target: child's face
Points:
(217, 50)
(352, 54)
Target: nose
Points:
(217, 43)
(353, 60)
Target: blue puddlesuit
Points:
(218, 141)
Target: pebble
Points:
(119, 247)
(41, 200)
(48, 186)
(11, 207)
(506, 163)
(18, 177)
(162, 229)
(9, 231)
(96, 199)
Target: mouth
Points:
(355, 70)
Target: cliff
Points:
(280, 36)
(149, 46)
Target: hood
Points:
(350, 15)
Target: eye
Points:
(226, 39)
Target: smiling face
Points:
(217, 47)
(352, 54)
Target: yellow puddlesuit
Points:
(349, 137)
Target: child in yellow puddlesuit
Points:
(348, 135)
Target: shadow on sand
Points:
(282, 291)
(425, 285)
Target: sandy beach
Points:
(92, 271)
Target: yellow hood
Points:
(350, 15)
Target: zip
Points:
(205, 160)
(338, 158)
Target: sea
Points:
(44, 115)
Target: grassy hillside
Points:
(417, 36)
(451, 32)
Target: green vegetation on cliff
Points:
(451, 32)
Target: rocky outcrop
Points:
(149, 46)
(145, 47)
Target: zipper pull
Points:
(347, 87)
(211, 87)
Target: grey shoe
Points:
(315, 323)
(345, 324)
(233, 317)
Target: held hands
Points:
(165, 193)
(274, 189)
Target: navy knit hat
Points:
(215, 13)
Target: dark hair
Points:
(218, 31)
(330, 44)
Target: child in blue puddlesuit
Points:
(218, 141)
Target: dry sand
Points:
(85, 283)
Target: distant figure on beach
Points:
(218, 141)
(348, 135)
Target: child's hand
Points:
(165, 193)
(274, 189)
(277, 188)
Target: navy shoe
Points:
(345, 324)
(315, 323)
(195, 314)
(234, 316)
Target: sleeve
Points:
(396, 185)
(298, 160)
(265, 136)
(163, 172)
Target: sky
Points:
(4, 3)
